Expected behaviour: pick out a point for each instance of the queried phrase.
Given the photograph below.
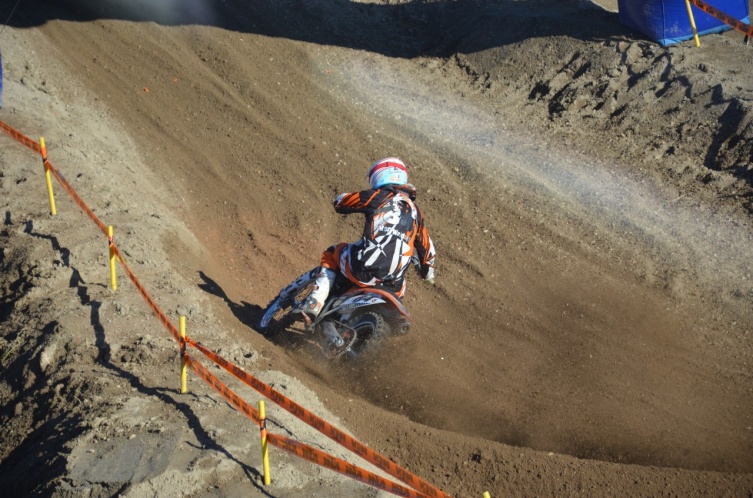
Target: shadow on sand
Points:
(293, 338)
(411, 29)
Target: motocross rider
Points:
(394, 232)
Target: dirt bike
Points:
(352, 321)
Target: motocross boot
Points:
(309, 307)
(312, 305)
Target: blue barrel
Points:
(666, 21)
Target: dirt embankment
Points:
(588, 193)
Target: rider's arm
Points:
(359, 202)
(425, 249)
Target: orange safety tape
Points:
(87, 210)
(341, 466)
(323, 426)
(20, 137)
(76, 198)
(299, 449)
(221, 388)
(725, 18)
(132, 276)
(149, 301)
(289, 405)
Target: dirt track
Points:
(588, 193)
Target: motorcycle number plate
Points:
(358, 301)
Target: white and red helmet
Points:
(388, 171)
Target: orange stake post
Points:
(183, 363)
(48, 177)
(264, 444)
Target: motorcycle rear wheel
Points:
(370, 329)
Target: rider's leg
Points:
(324, 280)
(323, 283)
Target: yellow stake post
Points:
(113, 272)
(487, 495)
(183, 365)
(692, 23)
(264, 444)
(48, 178)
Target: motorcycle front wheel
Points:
(277, 315)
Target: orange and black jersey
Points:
(394, 231)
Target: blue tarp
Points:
(666, 21)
